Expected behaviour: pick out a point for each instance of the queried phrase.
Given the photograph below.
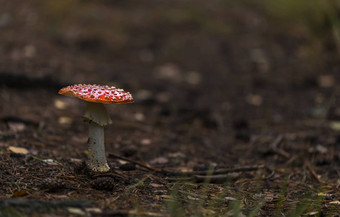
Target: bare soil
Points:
(230, 105)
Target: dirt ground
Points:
(236, 112)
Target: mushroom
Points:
(97, 116)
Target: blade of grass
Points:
(174, 206)
(281, 198)
(256, 209)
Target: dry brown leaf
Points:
(254, 99)
(65, 120)
(20, 193)
(59, 104)
(18, 150)
(159, 160)
(16, 127)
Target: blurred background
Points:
(182, 41)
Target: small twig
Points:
(220, 178)
(231, 170)
(216, 176)
(275, 147)
(272, 173)
(180, 179)
(193, 194)
(134, 162)
(282, 153)
(215, 172)
(35, 204)
(292, 159)
(276, 142)
(129, 213)
(315, 176)
(17, 119)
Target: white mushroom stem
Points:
(96, 112)
(96, 149)
(98, 117)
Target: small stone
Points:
(329, 197)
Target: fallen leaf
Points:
(20, 193)
(145, 141)
(50, 162)
(76, 211)
(335, 125)
(184, 169)
(16, 127)
(65, 120)
(192, 198)
(59, 104)
(312, 213)
(254, 99)
(169, 71)
(80, 139)
(321, 194)
(76, 160)
(177, 155)
(165, 196)
(29, 51)
(193, 78)
(61, 196)
(229, 199)
(139, 116)
(208, 212)
(321, 149)
(156, 185)
(122, 161)
(326, 81)
(18, 150)
(93, 210)
(159, 160)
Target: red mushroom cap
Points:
(97, 93)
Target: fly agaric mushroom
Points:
(97, 116)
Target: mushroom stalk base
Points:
(96, 149)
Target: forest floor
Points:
(235, 113)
